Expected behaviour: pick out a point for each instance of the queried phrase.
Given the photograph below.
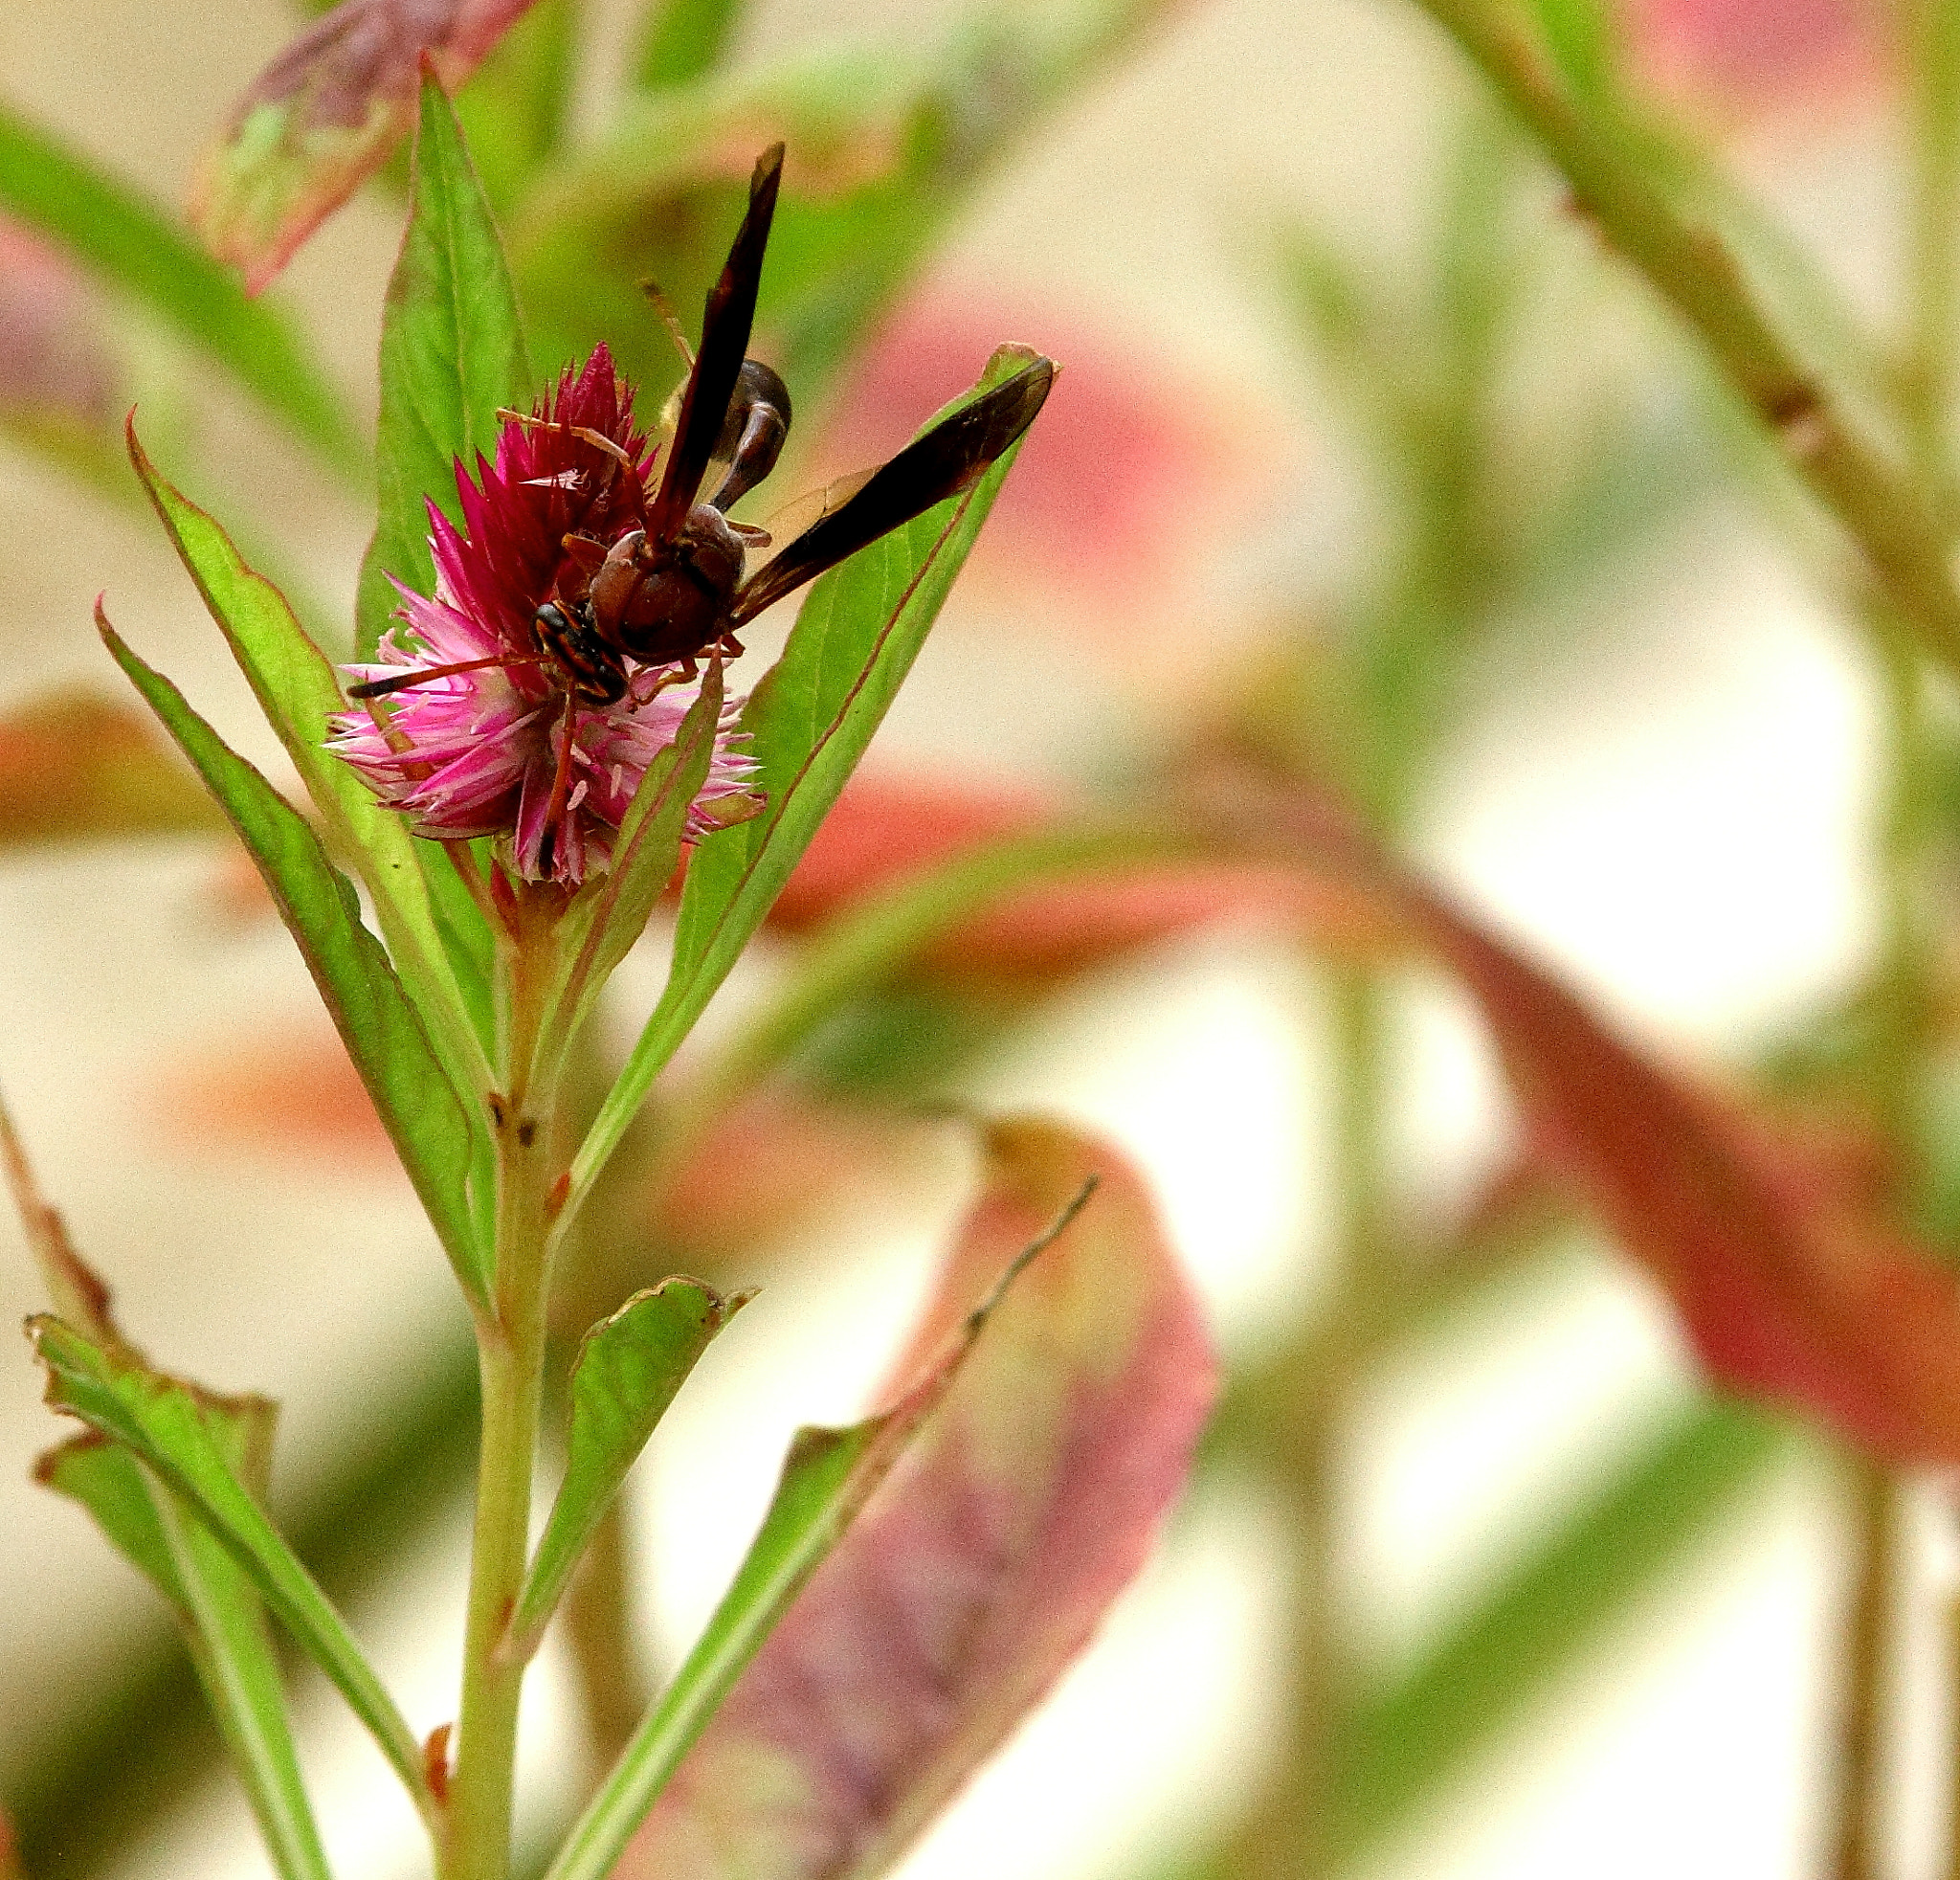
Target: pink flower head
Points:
(480, 752)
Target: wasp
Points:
(677, 586)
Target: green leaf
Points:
(451, 352)
(513, 109)
(679, 40)
(828, 1478)
(412, 1092)
(1408, 1741)
(109, 1482)
(611, 915)
(627, 1372)
(221, 1617)
(137, 249)
(811, 719)
(889, 143)
(1072, 1428)
(169, 1427)
(438, 937)
(1580, 36)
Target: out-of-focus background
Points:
(1658, 770)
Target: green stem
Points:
(510, 1340)
(1880, 504)
(1289, 1835)
(1868, 1638)
(1926, 378)
(600, 1633)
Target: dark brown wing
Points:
(724, 345)
(950, 457)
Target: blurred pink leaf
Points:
(774, 1160)
(886, 829)
(1752, 57)
(53, 364)
(981, 1567)
(1127, 500)
(281, 1098)
(1789, 1282)
(73, 765)
(325, 115)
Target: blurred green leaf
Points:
(220, 1614)
(167, 1426)
(513, 109)
(628, 1370)
(888, 145)
(828, 1478)
(1581, 37)
(810, 719)
(1427, 1729)
(412, 1092)
(679, 40)
(443, 955)
(865, 946)
(135, 248)
(451, 352)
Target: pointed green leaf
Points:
(629, 1368)
(139, 249)
(810, 720)
(169, 1428)
(1022, 1509)
(109, 1482)
(451, 352)
(417, 1104)
(612, 914)
(828, 1478)
(442, 952)
(222, 1621)
(240, 1670)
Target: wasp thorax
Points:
(658, 601)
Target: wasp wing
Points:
(788, 525)
(724, 345)
(950, 457)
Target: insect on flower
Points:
(675, 584)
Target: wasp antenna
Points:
(664, 308)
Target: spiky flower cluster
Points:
(478, 752)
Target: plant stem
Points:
(1867, 1650)
(1877, 499)
(598, 1629)
(1289, 1836)
(1926, 377)
(510, 1338)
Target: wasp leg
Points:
(561, 787)
(380, 688)
(675, 330)
(584, 433)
